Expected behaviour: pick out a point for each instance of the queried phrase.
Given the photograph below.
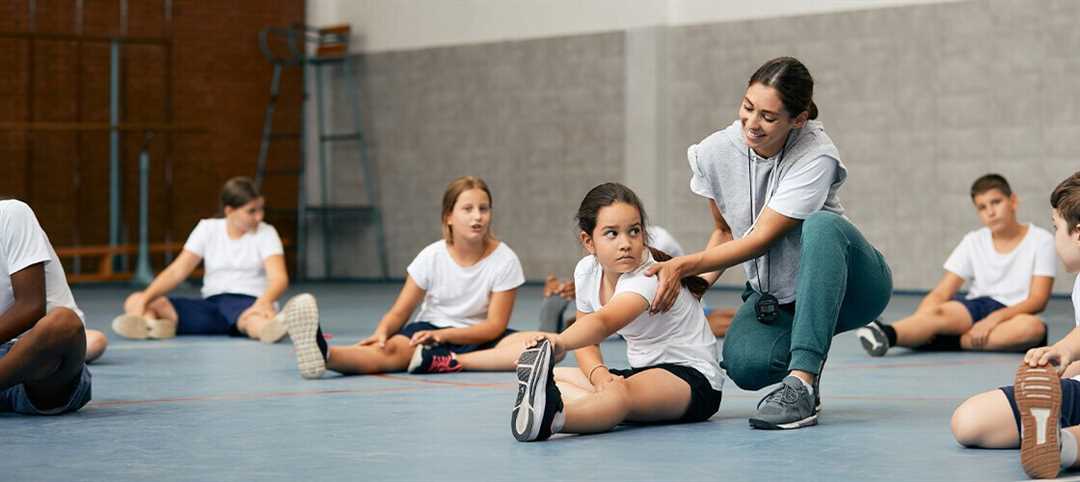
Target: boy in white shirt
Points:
(1046, 406)
(42, 337)
(1011, 267)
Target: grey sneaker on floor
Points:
(789, 406)
(873, 338)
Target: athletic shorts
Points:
(15, 399)
(704, 400)
(411, 328)
(1070, 403)
(215, 315)
(979, 308)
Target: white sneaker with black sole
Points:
(301, 317)
(873, 338)
(538, 411)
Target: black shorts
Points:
(411, 328)
(704, 400)
(1070, 403)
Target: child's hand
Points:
(556, 347)
(426, 337)
(980, 333)
(1048, 355)
(551, 285)
(377, 339)
(566, 290)
(136, 304)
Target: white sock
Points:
(1068, 449)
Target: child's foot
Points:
(538, 411)
(789, 406)
(1038, 397)
(274, 330)
(140, 328)
(433, 359)
(301, 319)
(873, 338)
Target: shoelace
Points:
(785, 396)
(442, 363)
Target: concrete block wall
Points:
(921, 100)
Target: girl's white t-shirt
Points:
(680, 336)
(233, 265)
(23, 243)
(1004, 277)
(1076, 300)
(457, 296)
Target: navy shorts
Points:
(15, 399)
(979, 308)
(1070, 403)
(215, 315)
(408, 330)
(704, 399)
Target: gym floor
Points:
(217, 408)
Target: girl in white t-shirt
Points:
(674, 375)
(465, 286)
(245, 276)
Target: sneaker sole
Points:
(131, 326)
(532, 371)
(416, 360)
(161, 329)
(1038, 397)
(302, 322)
(867, 339)
(765, 425)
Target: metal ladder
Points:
(330, 51)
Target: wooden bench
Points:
(105, 256)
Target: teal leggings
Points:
(843, 283)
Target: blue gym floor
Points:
(217, 408)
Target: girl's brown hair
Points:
(239, 191)
(612, 192)
(453, 191)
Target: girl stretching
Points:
(673, 375)
(465, 285)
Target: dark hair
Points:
(792, 80)
(990, 181)
(1066, 200)
(449, 199)
(612, 192)
(239, 191)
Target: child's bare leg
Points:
(720, 321)
(986, 421)
(161, 309)
(48, 359)
(650, 396)
(950, 318)
(503, 357)
(356, 359)
(572, 383)
(1015, 334)
(252, 324)
(96, 342)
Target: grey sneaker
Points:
(789, 406)
(873, 338)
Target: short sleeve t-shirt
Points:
(23, 243)
(799, 181)
(234, 266)
(680, 336)
(1076, 300)
(458, 296)
(1004, 277)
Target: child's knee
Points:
(966, 426)
(62, 325)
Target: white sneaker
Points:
(301, 319)
(140, 328)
